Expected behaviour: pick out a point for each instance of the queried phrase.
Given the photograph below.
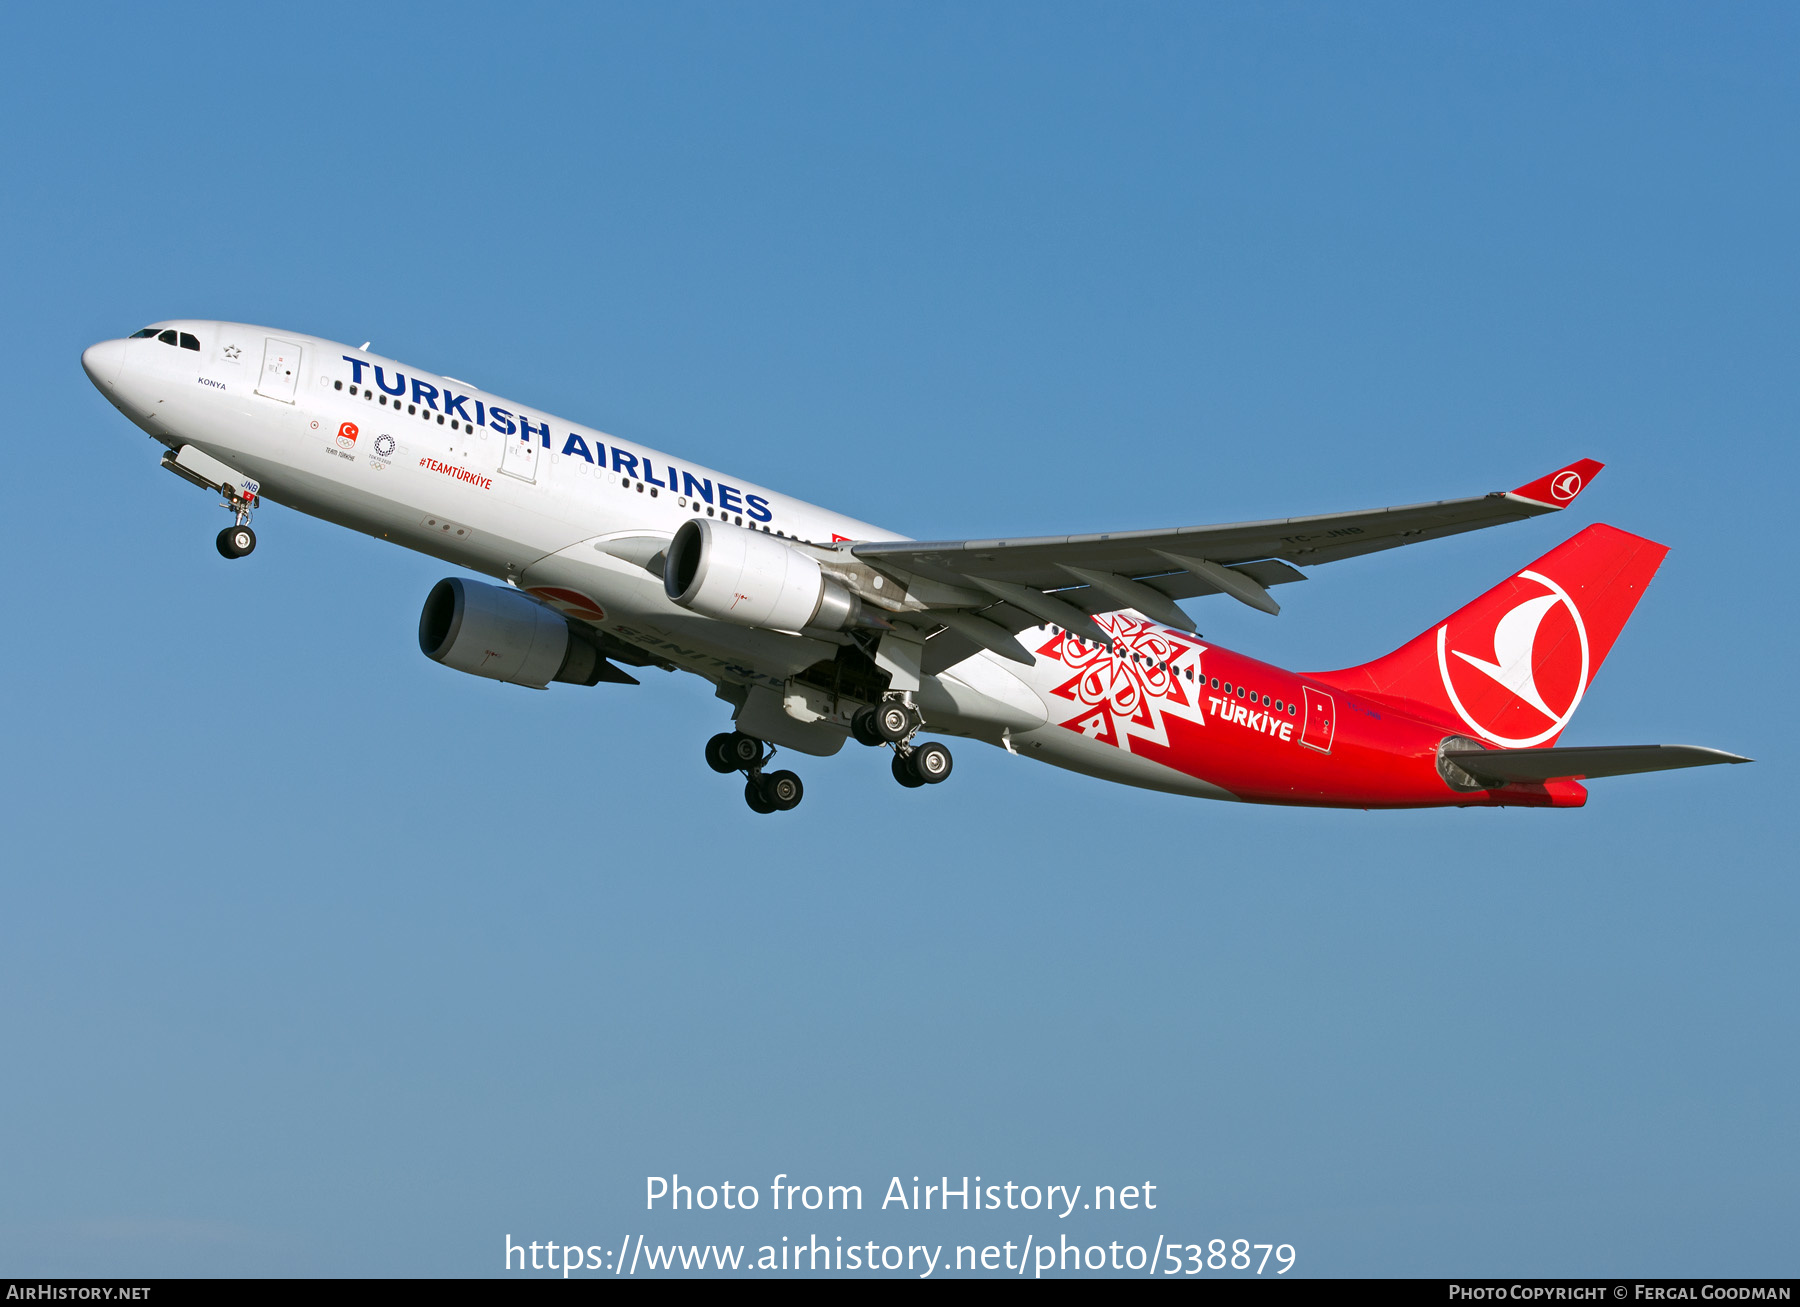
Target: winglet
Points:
(1558, 490)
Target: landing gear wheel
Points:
(753, 795)
(236, 541)
(896, 721)
(718, 754)
(745, 751)
(783, 789)
(862, 728)
(904, 773)
(930, 763)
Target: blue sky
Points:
(317, 958)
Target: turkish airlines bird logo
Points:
(1566, 486)
(1520, 685)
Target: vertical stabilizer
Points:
(1512, 667)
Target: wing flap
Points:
(1185, 585)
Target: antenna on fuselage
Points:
(364, 347)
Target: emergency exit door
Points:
(519, 455)
(280, 370)
(1321, 720)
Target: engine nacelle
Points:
(753, 579)
(496, 632)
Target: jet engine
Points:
(754, 579)
(493, 631)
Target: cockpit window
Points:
(185, 339)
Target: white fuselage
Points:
(437, 465)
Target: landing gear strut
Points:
(765, 792)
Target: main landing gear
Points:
(238, 539)
(895, 722)
(765, 792)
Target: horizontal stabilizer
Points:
(1533, 766)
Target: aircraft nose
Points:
(102, 362)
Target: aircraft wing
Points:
(1062, 579)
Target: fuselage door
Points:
(1321, 720)
(280, 370)
(519, 456)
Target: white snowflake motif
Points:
(1130, 692)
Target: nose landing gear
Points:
(733, 751)
(237, 540)
(199, 468)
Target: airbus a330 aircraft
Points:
(816, 628)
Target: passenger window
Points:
(169, 338)
(189, 342)
(337, 385)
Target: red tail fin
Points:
(1513, 666)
